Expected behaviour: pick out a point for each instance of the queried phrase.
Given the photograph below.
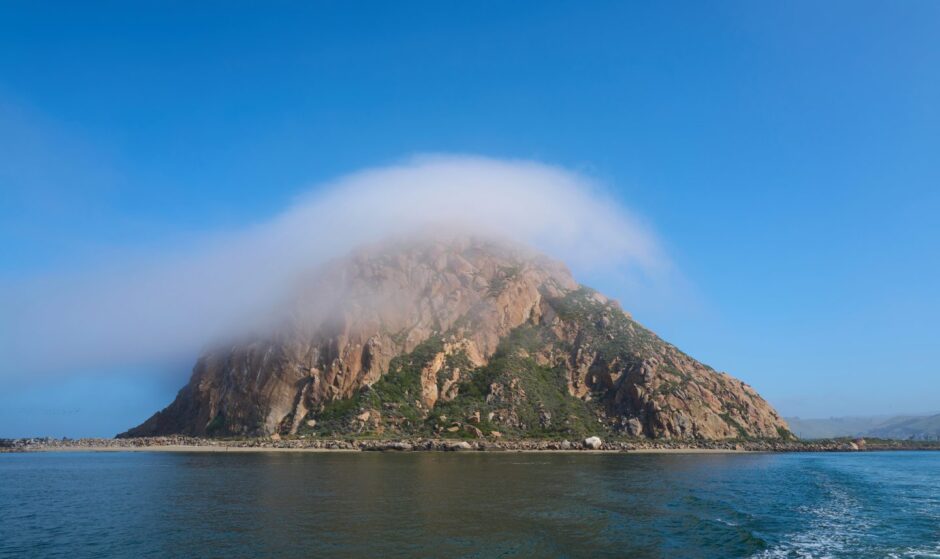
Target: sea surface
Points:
(231, 505)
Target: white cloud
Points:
(165, 304)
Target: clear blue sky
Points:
(787, 153)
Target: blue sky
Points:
(785, 154)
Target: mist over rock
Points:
(468, 337)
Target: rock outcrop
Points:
(465, 336)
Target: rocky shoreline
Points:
(197, 444)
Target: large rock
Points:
(593, 443)
(397, 445)
(354, 316)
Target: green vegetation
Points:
(742, 432)
(785, 434)
(400, 387)
(498, 284)
(338, 410)
(217, 427)
(611, 333)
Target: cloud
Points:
(164, 304)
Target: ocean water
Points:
(233, 505)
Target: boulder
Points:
(634, 427)
(593, 443)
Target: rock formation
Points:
(467, 337)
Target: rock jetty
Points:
(451, 445)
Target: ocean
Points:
(279, 504)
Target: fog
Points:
(170, 302)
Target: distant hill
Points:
(918, 427)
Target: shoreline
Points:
(302, 445)
(256, 449)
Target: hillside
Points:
(917, 428)
(902, 427)
(466, 338)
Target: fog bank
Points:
(160, 304)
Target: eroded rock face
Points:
(351, 319)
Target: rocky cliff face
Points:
(468, 337)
